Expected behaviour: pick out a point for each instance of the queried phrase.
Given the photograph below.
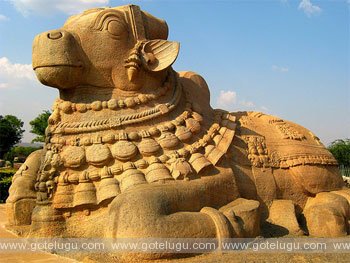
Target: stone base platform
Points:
(43, 257)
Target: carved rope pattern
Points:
(99, 125)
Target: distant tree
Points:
(19, 151)
(39, 125)
(11, 132)
(341, 151)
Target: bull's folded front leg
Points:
(22, 195)
(173, 210)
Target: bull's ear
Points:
(159, 54)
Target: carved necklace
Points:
(121, 159)
(112, 123)
(179, 164)
(115, 104)
(181, 133)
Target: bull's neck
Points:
(89, 94)
(142, 109)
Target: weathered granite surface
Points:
(134, 149)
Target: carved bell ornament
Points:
(148, 147)
(157, 171)
(50, 186)
(168, 140)
(108, 187)
(193, 125)
(63, 197)
(197, 116)
(84, 192)
(130, 177)
(199, 162)
(183, 133)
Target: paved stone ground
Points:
(234, 257)
(25, 257)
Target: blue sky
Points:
(283, 57)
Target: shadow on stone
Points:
(272, 230)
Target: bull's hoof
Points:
(282, 215)
(244, 216)
(327, 215)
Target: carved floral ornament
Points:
(259, 155)
(262, 155)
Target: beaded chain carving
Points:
(68, 107)
(111, 123)
(181, 164)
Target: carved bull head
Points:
(123, 48)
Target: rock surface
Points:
(282, 213)
(327, 215)
(134, 149)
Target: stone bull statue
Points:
(134, 149)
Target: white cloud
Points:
(3, 85)
(309, 8)
(227, 99)
(3, 17)
(263, 108)
(11, 73)
(280, 69)
(44, 7)
(247, 104)
(21, 94)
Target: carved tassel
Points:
(132, 73)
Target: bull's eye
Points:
(116, 28)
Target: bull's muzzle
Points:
(57, 59)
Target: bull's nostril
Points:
(54, 35)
